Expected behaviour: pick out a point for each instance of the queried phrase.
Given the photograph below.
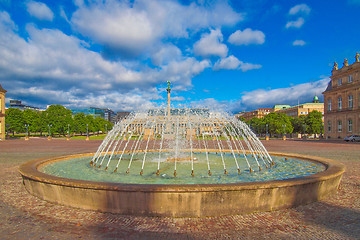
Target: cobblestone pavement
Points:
(23, 216)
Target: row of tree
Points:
(280, 123)
(56, 119)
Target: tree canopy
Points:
(280, 123)
(57, 118)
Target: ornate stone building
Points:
(2, 113)
(342, 101)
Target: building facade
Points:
(104, 113)
(22, 107)
(2, 113)
(342, 101)
(121, 115)
(258, 113)
(302, 109)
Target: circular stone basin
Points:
(72, 181)
(79, 168)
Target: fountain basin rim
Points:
(29, 170)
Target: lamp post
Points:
(7, 126)
(27, 131)
(267, 132)
(49, 137)
(87, 132)
(284, 136)
(68, 132)
(304, 130)
(105, 127)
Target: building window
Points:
(339, 126)
(329, 104)
(340, 103)
(350, 101)
(339, 81)
(350, 79)
(349, 125)
(329, 126)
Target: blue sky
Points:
(237, 55)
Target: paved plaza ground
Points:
(23, 216)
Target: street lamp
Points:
(267, 129)
(68, 130)
(284, 126)
(87, 130)
(105, 127)
(49, 125)
(27, 129)
(7, 126)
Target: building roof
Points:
(329, 87)
(281, 106)
(2, 90)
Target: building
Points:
(280, 107)
(121, 115)
(258, 113)
(342, 101)
(2, 113)
(104, 113)
(301, 109)
(22, 107)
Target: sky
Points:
(235, 55)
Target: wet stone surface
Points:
(23, 216)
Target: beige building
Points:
(342, 101)
(258, 113)
(2, 113)
(301, 109)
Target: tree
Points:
(89, 119)
(14, 120)
(278, 122)
(257, 125)
(314, 122)
(299, 123)
(102, 124)
(32, 118)
(58, 117)
(79, 123)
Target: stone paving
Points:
(23, 216)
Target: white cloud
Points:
(181, 72)
(299, 43)
(300, 9)
(61, 63)
(39, 10)
(232, 63)
(211, 44)
(213, 104)
(247, 37)
(295, 24)
(267, 98)
(229, 63)
(63, 15)
(6, 24)
(249, 66)
(165, 53)
(261, 98)
(131, 27)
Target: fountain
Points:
(189, 162)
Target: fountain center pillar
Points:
(168, 98)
